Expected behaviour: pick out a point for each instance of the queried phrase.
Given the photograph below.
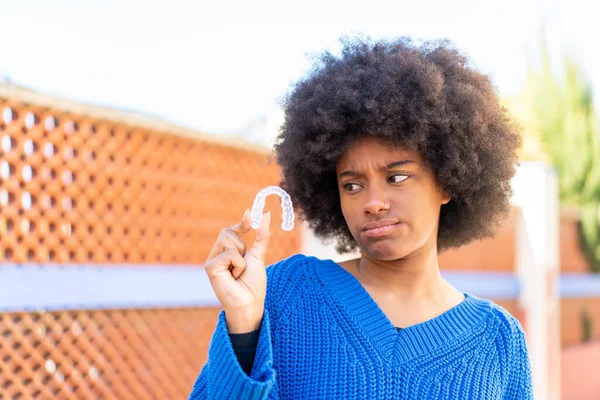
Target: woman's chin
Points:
(385, 250)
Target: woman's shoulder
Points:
(289, 277)
(498, 315)
(511, 336)
(498, 320)
(505, 318)
(294, 265)
(507, 325)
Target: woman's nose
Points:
(375, 203)
(375, 207)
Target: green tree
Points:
(568, 128)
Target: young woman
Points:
(399, 150)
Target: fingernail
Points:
(245, 213)
(268, 216)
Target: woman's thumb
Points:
(263, 236)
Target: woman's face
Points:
(389, 198)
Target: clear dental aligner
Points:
(286, 205)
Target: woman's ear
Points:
(445, 197)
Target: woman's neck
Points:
(411, 279)
(409, 290)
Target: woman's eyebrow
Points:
(387, 167)
(348, 173)
(397, 164)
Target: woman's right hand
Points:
(238, 274)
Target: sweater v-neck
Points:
(398, 346)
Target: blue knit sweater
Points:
(324, 337)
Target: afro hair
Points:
(424, 97)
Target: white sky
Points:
(215, 66)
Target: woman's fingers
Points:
(234, 234)
(223, 262)
(263, 237)
(243, 227)
(231, 240)
(239, 280)
(230, 246)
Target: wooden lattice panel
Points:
(78, 189)
(114, 354)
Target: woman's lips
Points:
(380, 231)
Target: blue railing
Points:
(34, 287)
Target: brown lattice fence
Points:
(91, 187)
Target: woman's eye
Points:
(350, 186)
(398, 178)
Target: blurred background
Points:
(132, 132)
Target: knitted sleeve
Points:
(222, 377)
(520, 385)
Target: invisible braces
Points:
(286, 205)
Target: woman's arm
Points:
(520, 386)
(224, 378)
(239, 279)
